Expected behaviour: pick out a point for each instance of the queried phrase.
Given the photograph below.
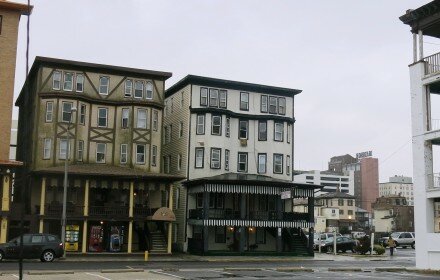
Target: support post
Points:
(130, 210)
(130, 236)
(130, 215)
(372, 243)
(311, 240)
(5, 207)
(279, 230)
(319, 242)
(86, 198)
(311, 209)
(420, 44)
(84, 238)
(170, 224)
(42, 204)
(243, 214)
(414, 47)
(334, 243)
(205, 217)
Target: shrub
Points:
(379, 249)
(364, 245)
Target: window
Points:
(68, 81)
(228, 127)
(154, 156)
(203, 97)
(340, 202)
(182, 99)
(223, 99)
(288, 165)
(180, 129)
(124, 153)
(102, 117)
(200, 124)
(243, 127)
(279, 132)
(260, 235)
(172, 105)
(272, 105)
(350, 212)
(56, 80)
(227, 160)
(47, 148)
(82, 114)
(216, 126)
(128, 88)
(138, 89)
(79, 83)
(263, 107)
(289, 131)
(213, 97)
(262, 159)
(242, 162)
(262, 130)
(165, 134)
(341, 212)
(278, 163)
(170, 133)
(37, 239)
(166, 163)
(63, 149)
(125, 116)
(49, 111)
(200, 157)
(281, 105)
(141, 118)
(140, 154)
(220, 234)
(350, 202)
(100, 152)
(244, 101)
(67, 111)
(80, 150)
(215, 158)
(179, 162)
(155, 119)
(103, 85)
(149, 90)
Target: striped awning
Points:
(254, 223)
(249, 189)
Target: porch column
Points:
(170, 224)
(279, 207)
(86, 214)
(420, 44)
(130, 215)
(3, 229)
(311, 209)
(205, 217)
(5, 207)
(310, 241)
(243, 214)
(42, 203)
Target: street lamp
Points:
(63, 217)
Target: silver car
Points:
(402, 239)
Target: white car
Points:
(324, 237)
(402, 239)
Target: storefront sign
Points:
(364, 154)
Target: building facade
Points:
(424, 85)
(398, 185)
(392, 213)
(233, 141)
(10, 14)
(331, 181)
(338, 209)
(106, 122)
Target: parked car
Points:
(403, 239)
(343, 244)
(324, 237)
(45, 247)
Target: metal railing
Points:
(252, 215)
(435, 125)
(432, 64)
(54, 210)
(435, 180)
(106, 211)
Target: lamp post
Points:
(66, 160)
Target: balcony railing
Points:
(106, 211)
(434, 181)
(55, 210)
(432, 64)
(227, 214)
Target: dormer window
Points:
(128, 88)
(149, 90)
(56, 80)
(104, 85)
(138, 89)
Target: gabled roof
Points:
(228, 84)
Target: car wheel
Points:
(330, 249)
(1, 255)
(47, 256)
(413, 245)
(353, 250)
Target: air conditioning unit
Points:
(243, 142)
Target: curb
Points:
(123, 270)
(170, 269)
(423, 271)
(241, 269)
(50, 272)
(350, 269)
(294, 269)
(390, 269)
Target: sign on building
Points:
(364, 154)
(286, 195)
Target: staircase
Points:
(296, 244)
(158, 243)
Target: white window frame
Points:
(244, 100)
(260, 131)
(223, 98)
(200, 124)
(181, 129)
(64, 146)
(66, 112)
(104, 87)
(79, 81)
(288, 165)
(67, 82)
(154, 155)
(262, 163)
(216, 157)
(239, 129)
(273, 105)
(47, 148)
(240, 161)
(199, 157)
(149, 90)
(288, 135)
(213, 97)
(123, 153)
(228, 127)
(139, 89)
(80, 151)
(179, 162)
(278, 161)
(216, 123)
(264, 108)
(227, 159)
(139, 119)
(279, 131)
(49, 111)
(102, 109)
(128, 88)
(140, 154)
(204, 96)
(56, 79)
(82, 114)
(281, 105)
(155, 119)
(98, 145)
(125, 117)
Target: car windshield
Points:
(395, 235)
(330, 239)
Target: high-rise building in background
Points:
(331, 181)
(400, 186)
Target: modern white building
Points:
(398, 185)
(233, 141)
(331, 181)
(425, 87)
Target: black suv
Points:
(45, 247)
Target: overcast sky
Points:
(350, 58)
